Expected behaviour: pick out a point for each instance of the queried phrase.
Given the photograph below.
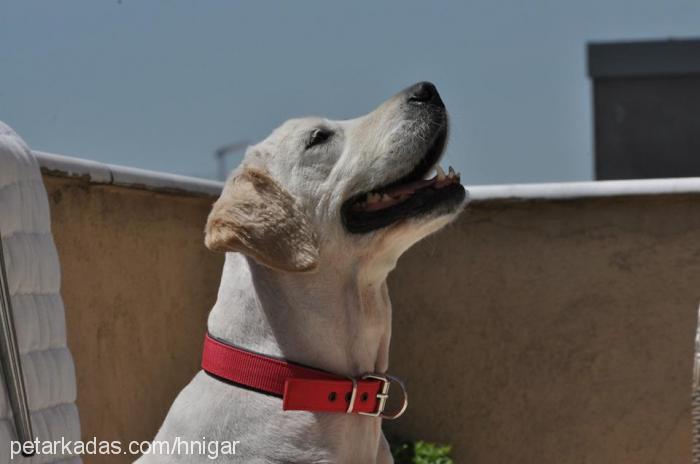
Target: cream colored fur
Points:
(281, 210)
(255, 216)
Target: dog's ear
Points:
(256, 216)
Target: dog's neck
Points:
(337, 319)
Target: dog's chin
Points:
(411, 198)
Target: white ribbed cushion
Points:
(34, 280)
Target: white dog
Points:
(312, 222)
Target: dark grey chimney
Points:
(646, 107)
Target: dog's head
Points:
(319, 192)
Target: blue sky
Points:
(161, 84)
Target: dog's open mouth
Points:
(411, 195)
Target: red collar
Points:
(301, 388)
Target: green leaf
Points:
(432, 453)
(420, 452)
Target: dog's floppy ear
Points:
(256, 216)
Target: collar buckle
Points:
(383, 396)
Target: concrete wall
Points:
(137, 285)
(553, 331)
(539, 330)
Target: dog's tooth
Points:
(451, 172)
(386, 197)
(373, 198)
(440, 172)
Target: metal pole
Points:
(221, 153)
(11, 363)
(696, 396)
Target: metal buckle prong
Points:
(353, 395)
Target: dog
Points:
(312, 222)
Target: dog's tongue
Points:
(397, 194)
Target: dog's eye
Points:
(318, 136)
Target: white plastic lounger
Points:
(34, 284)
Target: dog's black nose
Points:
(424, 92)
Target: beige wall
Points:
(137, 286)
(527, 332)
(553, 332)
